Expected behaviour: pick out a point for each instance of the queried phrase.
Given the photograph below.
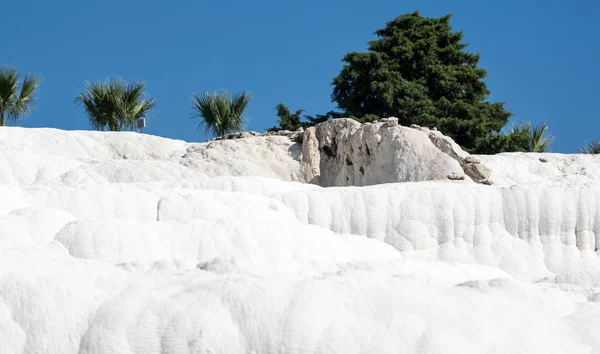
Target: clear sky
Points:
(542, 57)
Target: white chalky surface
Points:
(129, 243)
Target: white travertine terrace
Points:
(129, 243)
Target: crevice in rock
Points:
(362, 170)
(328, 151)
(331, 151)
(158, 209)
(348, 161)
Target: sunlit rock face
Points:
(344, 152)
(129, 243)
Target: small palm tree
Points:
(591, 147)
(15, 103)
(536, 139)
(114, 104)
(220, 113)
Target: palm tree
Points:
(221, 113)
(591, 147)
(114, 104)
(15, 103)
(535, 136)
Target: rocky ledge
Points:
(344, 152)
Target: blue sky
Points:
(542, 57)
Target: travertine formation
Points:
(129, 243)
(343, 152)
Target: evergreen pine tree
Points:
(418, 70)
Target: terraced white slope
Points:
(529, 231)
(53, 157)
(127, 243)
(527, 168)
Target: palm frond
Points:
(114, 104)
(8, 87)
(25, 100)
(220, 113)
(535, 135)
(591, 147)
(96, 103)
(540, 142)
(207, 108)
(521, 127)
(15, 103)
(134, 105)
(239, 105)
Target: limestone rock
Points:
(471, 165)
(472, 160)
(455, 177)
(332, 137)
(477, 172)
(264, 156)
(311, 157)
(343, 152)
(353, 154)
(392, 122)
(297, 135)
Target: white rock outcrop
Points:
(344, 152)
(266, 156)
